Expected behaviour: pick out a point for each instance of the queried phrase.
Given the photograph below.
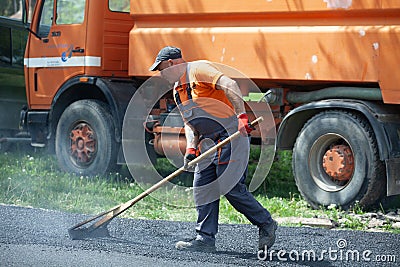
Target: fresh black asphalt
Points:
(38, 237)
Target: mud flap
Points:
(393, 178)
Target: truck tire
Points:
(336, 161)
(85, 139)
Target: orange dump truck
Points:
(328, 69)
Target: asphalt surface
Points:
(38, 237)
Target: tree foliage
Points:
(9, 7)
(119, 5)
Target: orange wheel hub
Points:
(338, 163)
(83, 144)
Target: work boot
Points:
(267, 235)
(196, 244)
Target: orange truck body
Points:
(320, 59)
(277, 42)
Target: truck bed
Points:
(279, 42)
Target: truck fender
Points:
(115, 94)
(294, 121)
(118, 94)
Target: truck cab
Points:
(76, 63)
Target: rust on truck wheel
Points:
(331, 162)
(83, 144)
(336, 161)
(85, 139)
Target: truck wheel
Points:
(336, 161)
(85, 141)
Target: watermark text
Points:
(340, 252)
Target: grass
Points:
(35, 180)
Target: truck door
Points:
(56, 48)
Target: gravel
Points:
(38, 237)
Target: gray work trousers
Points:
(237, 195)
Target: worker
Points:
(212, 108)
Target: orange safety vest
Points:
(197, 96)
(201, 104)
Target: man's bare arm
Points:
(232, 92)
(191, 137)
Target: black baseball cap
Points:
(168, 52)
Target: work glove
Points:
(189, 156)
(245, 127)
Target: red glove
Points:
(189, 156)
(244, 126)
